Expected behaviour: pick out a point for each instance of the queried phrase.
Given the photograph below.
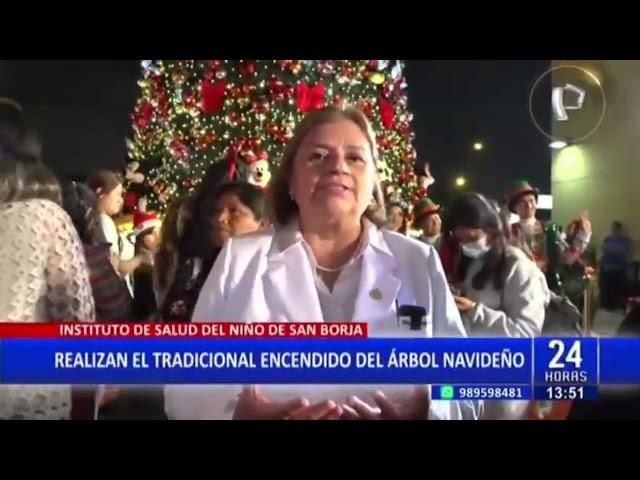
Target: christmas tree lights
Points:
(190, 112)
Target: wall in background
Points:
(602, 174)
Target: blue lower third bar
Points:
(266, 361)
(482, 392)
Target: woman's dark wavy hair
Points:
(473, 210)
(23, 176)
(81, 204)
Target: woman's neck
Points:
(333, 245)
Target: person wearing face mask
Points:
(501, 292)
(326, 259)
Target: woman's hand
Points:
(464, 304)
(146, 257)
(115, 261)
(254, 405)
(327, 410)
(414, 408)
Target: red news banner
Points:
(183, 330)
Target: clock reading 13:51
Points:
(565, 393)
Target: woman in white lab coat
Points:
(324, 260)
(500, 292)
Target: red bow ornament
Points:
(143, 115)
(212, 96)
(386, 113)
(310, 98)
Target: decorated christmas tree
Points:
(192, 113)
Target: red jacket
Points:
(448, 250)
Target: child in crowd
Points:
(108, 188)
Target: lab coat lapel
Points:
(379, 283)
(292, 284)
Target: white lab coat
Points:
(256, 279)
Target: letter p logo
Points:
(558, 104)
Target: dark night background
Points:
(81, 108)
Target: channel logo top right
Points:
(567, 103)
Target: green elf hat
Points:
(519, 190)
(424, 207)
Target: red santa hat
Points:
(144, 220)
(250, 157)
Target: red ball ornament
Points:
(272, 128)
(383, 143)
(373, 65)
(190, 100)
(253, 143)
(289, 91)
(210, 138)
(275, 83)
(250, 69)
(156, 81)
(387, 89)
(179, 150)
(130, 200)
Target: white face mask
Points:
(476, 249)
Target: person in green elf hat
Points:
(426, 214)
(555, 252)
(529, 233)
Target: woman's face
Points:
(151, 240)
(232, 217)
(469, 235)
(111, 203)
(396, 218)
(333, 173)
